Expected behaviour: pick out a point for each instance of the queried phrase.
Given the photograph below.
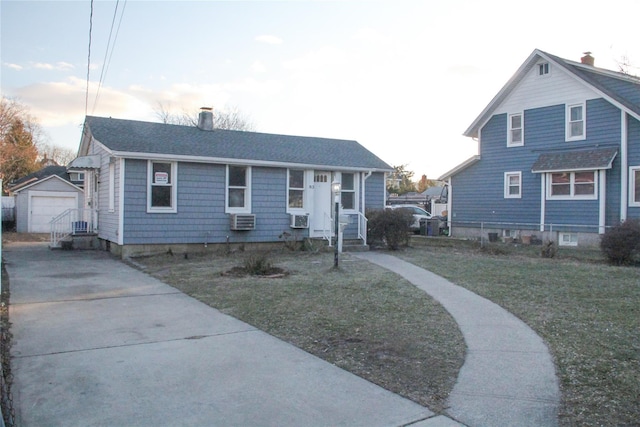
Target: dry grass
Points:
(360, 317)
(588, 312)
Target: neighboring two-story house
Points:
(558, 155)
(152, 186)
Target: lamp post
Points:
(336, 187)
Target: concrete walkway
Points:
(97, 342)
(508, 378)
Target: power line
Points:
(107, 62)
(86, 98)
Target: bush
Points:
(391, 226)
(548, 249)
(621, 243)
(258, 265)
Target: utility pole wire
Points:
(86, 98)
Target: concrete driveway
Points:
(97, 342)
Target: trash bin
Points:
(423, 227)
(433, 227)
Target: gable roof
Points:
(567, 161)
(31, 183)
(620, 89)
(137, 139)
(39, 175)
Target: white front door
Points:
(321, 219)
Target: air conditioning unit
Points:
(241, 222)
(299, 221)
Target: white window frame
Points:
(507, 185)
(297, 210)
(569, 136)
(633, 170)
(572, 187)
(247, 191)
(354, 190)
(173, 184)
(543, 69)
(510, 141)
(567, 239)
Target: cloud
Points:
(370, 35)
(13, 66)
(258, 67)
(268, 39)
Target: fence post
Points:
(482, 234)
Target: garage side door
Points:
(45, 208)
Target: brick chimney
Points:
(205, 118)
(587, 59)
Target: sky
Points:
(403, 78)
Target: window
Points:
(512, 185)
(516, 137)
(238, 189)
(161, 191)
(572, 185)
(568, 239)
(634, 186)
(348, 195)
(575, 122)
(296, 189)
(543, 69)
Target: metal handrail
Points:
(72, 222)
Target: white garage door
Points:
(45, 208)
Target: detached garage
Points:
(38, 203)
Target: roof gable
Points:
(619, 89)
(30, 184)
(149, 140)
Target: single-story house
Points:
(159, 185)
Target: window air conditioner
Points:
(241, 222)
(299, 221)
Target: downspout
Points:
(543, 200)
(602, 182)
(449, 206)
(624, 168)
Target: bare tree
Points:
(60, 155)
(230, 119)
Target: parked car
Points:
(417, 212)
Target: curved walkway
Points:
(508, 377)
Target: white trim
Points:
(174, 188)
(470, 161)
(507, 185)
(624, 172)
(237, 162)
(602, 205)
(568, 122)
(247, 192)
(632, 187)
(355, 191)
(571, 195)
(510, 142)
(304, 188)
(543, 199)
(120, 232)
(112, 187)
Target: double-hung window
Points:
(238, 195)
(576, 123)
(572, 185)
(348, 194)
(295, 193)
(634, 186)
(512, 185)
(162, 186)
(516, 131)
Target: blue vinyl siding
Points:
(375, 191)
(633, 133)
(478, 191)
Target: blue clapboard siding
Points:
(478, 191)
(633, 155)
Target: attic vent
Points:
(299, 221)
(543, 69)
(243, 222)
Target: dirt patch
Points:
(11, 237)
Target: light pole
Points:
(336, 187)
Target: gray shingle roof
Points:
(146, 138)
(575, 160)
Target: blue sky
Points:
(403, 78)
